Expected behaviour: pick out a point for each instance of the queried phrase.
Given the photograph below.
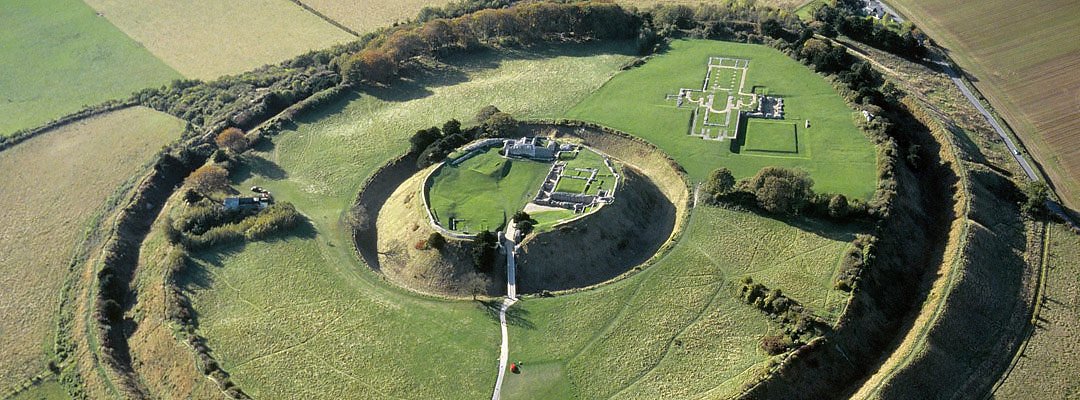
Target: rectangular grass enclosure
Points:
(772, 137)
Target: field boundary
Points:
(22, 135)
(326, 18)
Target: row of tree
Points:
(780, 190)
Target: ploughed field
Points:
(1024, 57)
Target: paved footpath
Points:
(511, 298)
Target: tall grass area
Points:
(301, 317)
(205, 39)
(1023, 57)
(838, 155)
(1052, 356)
(58, 56)
(51, 188)
(677, 329)
(484, 191)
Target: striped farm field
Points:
(51, 188)
(205, 39)
(1024, 57)
(367, 15)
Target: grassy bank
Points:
(51, 186)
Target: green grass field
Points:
(205, 39)
(842, 159)
(52, 187)
(776, 137)
(57, 56)
(676, 330)
(484, 191)
(332, 328)
(1023, 57)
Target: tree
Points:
(436, 241)
(500, 124)
(721, 181)
(232, 139)
(1037, 193)
(424, 138)
(208, 179)
(485, 113)
(371, 65)
(780, 190)
(838, 206)
(521, 216)
(477, 284)
(451, 127)
(484, 251)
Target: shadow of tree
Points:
(515, 315)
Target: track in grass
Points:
(833, 150)
(58, 56)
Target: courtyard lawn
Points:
(776, 137)
(58, 56)
(483, 191)
(842, 159)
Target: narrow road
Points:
(511, 297)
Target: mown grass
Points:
(205, 39)
(1021, 56)
(330, 327)
(775, 137)
(57, 56)
(843, 159)
(484, 191)
(677, 330)
(51, 186)
(1049, 363)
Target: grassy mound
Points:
(403, 257)
(484, 191)
(837, 155)
(601, 245)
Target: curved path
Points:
(511, 297)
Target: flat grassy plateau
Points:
(1024, 57)
(833, 150)
(52, 187)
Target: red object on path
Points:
(514, 368)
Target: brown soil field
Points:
(1023, 56)
(52, 187)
